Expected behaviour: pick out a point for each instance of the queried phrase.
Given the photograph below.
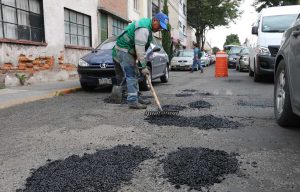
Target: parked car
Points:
(183, 60)
(268, 31)
(233, 56)
(205, 60)
(242, 62)
(97, 68)
(287, 78)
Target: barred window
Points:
(22, 20)
(77, 28)
(118, 26)
(136, 4)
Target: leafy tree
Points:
(260, 4)
(232, 39)
(215, 50)
(166, 36)
(208, 14)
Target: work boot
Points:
(144, 101)
(137, 106)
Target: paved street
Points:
(34, 134)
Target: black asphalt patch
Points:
(190, 90)
(173, 107)
(199, 167)
(205, 94)
(183, 94)
(262, 104)
(111, 101)
(201, 122)
(200, 104)
(104, 170)
(233, 80)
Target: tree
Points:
(260, 4)
(166, 36)
(215, 50)
(208, 14)
(232, 39)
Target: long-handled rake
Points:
(160, 111)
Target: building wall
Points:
(118, 7)
(53, 54)
(142, 11)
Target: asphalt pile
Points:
(200, 105)
(173, 107)
(198, 168)
(111, 101)
(202, 122)
(183, 94)
(190, 90)
(104, 170)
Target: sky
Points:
(242, 27)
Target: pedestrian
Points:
(131, 45)
(197, 59)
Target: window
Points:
(183, 29)
(184, 9)
(104, 27)
(118, 26)
(21, 20)
(179, 24)
(77, 29)
(136, 4)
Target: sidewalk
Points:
(23, 94)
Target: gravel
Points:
(200, 104)
(199, 167)
(173, 107)
(104, 170)
(202, 122)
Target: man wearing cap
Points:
(132, 44)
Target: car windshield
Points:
(278, 23)
(108, 44)
(185, 54)
(235, 50)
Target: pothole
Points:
(173, 107)
(183, 94)
(262, 104)
(205, 93)
(200, 104)
(201, 122)
(199, 167)
(233, 80)
(104, 170)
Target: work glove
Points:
(145, 71)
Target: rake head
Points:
(161, 113)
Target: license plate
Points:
(182, 65)
(104, 81)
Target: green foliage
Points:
(2, 86)
(215, 50)
(21, 77)
(166, 36)
(208, 14)
(260, 4)
(232, 39)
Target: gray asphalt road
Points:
(79, 123)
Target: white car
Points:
(183, 60)
(205, 60)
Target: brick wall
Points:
(119, 7)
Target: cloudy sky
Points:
(242, 27)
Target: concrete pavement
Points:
(23, 94)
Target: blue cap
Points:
(163, 19)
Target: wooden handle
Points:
(153, 93)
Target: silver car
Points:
(287, 78)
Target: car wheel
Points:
(86, 87)
(165, 77)
(143, 85)
(282, 101)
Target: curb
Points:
(36, 98)
(65, 91)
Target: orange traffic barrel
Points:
(221, 66)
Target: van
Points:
(268, 29)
